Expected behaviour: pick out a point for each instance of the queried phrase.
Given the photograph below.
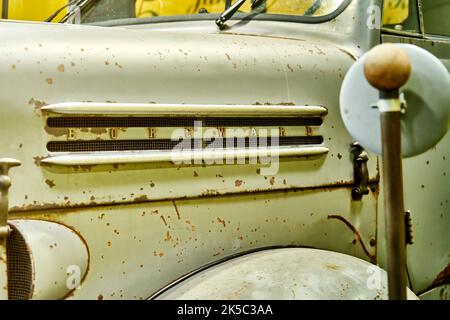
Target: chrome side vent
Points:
(86, 133)
(177, 122)
(166, 144)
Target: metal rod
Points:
(393, 201)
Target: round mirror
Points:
(427, 104)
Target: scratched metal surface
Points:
(45, 64)
(133, 235)
(288, 274)
(134, 250)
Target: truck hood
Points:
(45, 64)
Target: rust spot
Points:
(290, 68)
(141, 198)
(156, 254)
(100, 297)
(164, 220)
(210, 192)
(37, 105)
(339, 156)
(195, 174)
(168, 236)
(37, 160)
(49, 80)
(109, 243)
(331, 266)
(222, 222)
(176, 209)
(13, 67)
(442, 278)
(272, 181)
(238, 183)
(61, 68)
(118, 65)
(57, 132)
(152, 184)
(107, 63)
(228, 56)
(50, 183)
(72, 64)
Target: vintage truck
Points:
(106, 206)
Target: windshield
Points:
(154, 8)
(102, 10)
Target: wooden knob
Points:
(387, 67)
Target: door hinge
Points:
(360, 171)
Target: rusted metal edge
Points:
(143, 199)
(357, 235)
(441, 279)
(182, 110)
(182, 156)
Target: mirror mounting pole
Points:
(387, 68)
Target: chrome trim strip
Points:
(177, 110)
(178, 156)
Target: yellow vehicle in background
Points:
(36, 10)
(40, 10)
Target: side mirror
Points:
(376, 116)
(424, 101)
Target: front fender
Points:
(288, 273)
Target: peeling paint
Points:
(50, 183)
(221, 222)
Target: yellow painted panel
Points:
(153, 8)
(296, 7)
(395, 11)
(34, 10)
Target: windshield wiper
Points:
(78, 6)
(53, 16)
(230, 11)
